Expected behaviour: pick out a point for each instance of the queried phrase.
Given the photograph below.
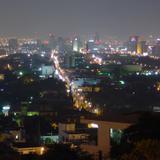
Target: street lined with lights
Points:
(79, 98)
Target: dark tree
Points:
(139, 140)
(65, 152)
(8, 153)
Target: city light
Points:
(92, 125)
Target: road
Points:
(79, 98)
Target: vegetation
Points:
(140, 141)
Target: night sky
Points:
(117, 18)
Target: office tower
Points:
(90, 45)
(132, 44)
(76, 44)
(156, 48)
(96, 38)
(74, 60)
(52, 41)
(141, 47)
(61, 45)
(13, 45)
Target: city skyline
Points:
(79, 79)
(66, 18)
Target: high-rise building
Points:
(13, 45)
(74, 60)
(141, 47)
(61, 45)
(76, 44)
(156, 48)
(132, 44)
(90, 45)
(96, 38)
(52, 41)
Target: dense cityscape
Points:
(62, 91)
(92, 97)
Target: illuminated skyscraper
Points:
(132, 44)
(76, 44)
(141, 47)
(90, 45)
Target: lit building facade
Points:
(132, 44)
